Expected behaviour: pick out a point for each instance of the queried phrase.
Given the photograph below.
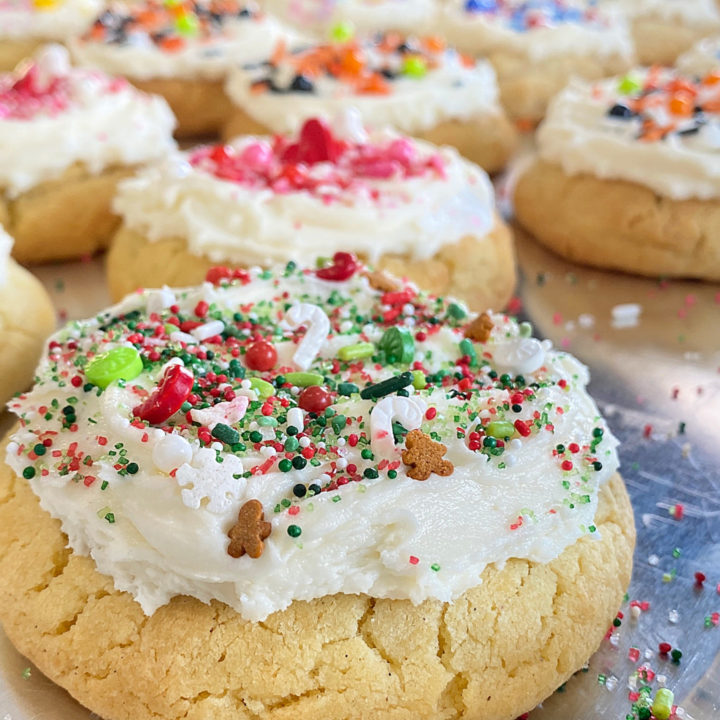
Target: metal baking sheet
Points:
(658, 382)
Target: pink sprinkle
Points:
(414, 560)
(634, 654)
(557, 318)
(294, 510)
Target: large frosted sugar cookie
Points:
(333, 17)
(309, 494)
(628, 175)
(66, 137)
(663, 29)
(26, 319)
(536, 47)
(182, 51)
(406, 206)
(416, 85)
(26, 24)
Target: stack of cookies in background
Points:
(333, 451)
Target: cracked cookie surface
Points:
(494, 653)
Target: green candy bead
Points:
(356, 352)
(628, 85)
(387, 387)
(263, 388)
(304, 379)
(187, 24)
(419, 381)
(500, 429)
(467, 348)
(662, 705)
(347, 388)
(342, 32)
(398, 345)
(456, 311)
(122, 363)
(415, 67)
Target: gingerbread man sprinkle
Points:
(380, 281)
(424, 456)
(248, 533)
(479, 329)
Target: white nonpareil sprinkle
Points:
(625, 316)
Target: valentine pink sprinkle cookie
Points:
(401, 203)
(66, 136)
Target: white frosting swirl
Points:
(364, 15)
(702, 59)
(487, 33)
(160, 535)
(58, 21)
(230, 222)
(6, 243)
(102, 122)
(242, 40)
(579, 135)
(451, 91)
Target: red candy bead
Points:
(261, 356)
(170, 394)
(314, 399)
(343, 268)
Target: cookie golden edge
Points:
(618, 225)
(478, 270)
(200, 106)
(494, 653)
(489, 140)
(12, 51)
(27, 318)
(63, 219)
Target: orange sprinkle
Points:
(433, 43)
(682, 104)
(712, 78)
(373, 84)
(172, 44)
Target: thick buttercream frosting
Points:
(653, 127)
(537, 30)
(53, 116)
(410, 84)
(55, 20)
(263, 200)
(702, 59)
(363, 15)
(184, 40)
(421, 457)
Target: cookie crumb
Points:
(380, 281)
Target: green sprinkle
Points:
(370, 473)
(392, 474)
(132, 468)
(456, 311)
(387, 387)
(414, 67)
(26, 674)
(629, 85)
(662, 704)
(122, 363)
(291, 444)
(294, 531)
(39, 449)
(419, 381)
(304, 379)
(342, 32)
(347, 389)
(29, 472)
(285, 465)
(263, 388)
(356, 351)
(500, 429)
(338, 423)
(398, 345)
(467, 348)
(435, 567)
(225, 434)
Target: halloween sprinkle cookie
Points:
(22, 334)
(628, 175)
(66, 137)
(536, 46)
(25, 25)
(416, 85)
(663, 29)
(371, 505)
(407, 206)
(180, 50)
